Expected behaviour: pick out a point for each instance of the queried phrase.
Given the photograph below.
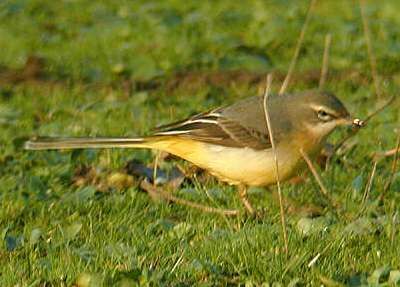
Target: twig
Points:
(297, 49)
(156, 192)
(380, 109)
(314, 172)
(267, 120)
(323, 189)
(387, 153)
(371, 55)
(394, 167)
(325, 61)
(368, 118)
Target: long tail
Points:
(81, 143)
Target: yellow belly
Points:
(235, 165)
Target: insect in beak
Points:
(357, 123)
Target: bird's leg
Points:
(243, 197)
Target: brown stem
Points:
(156, 192)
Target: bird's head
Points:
(318, 113)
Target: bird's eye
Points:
(324, 116)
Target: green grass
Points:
(123, 67)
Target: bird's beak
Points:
(351, 122)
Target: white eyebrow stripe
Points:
(319, 107)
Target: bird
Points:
(233, 142)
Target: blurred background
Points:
(144, 50)
(119, 68)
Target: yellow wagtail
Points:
(233, 142)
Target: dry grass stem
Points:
(323, 189)
(325, 61)
(388, 153)
(367, 189)
(371, 55)
(314, 172)
(369, 184)
(267, 120)
(380, 109)
(199, 186)
(156, 167)
(297, 49)
(394, 225)
(167, 196)
(314, 260)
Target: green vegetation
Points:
(81, 67)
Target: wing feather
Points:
(214, 127)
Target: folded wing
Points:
(214, 127)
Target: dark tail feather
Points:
(81, 143)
